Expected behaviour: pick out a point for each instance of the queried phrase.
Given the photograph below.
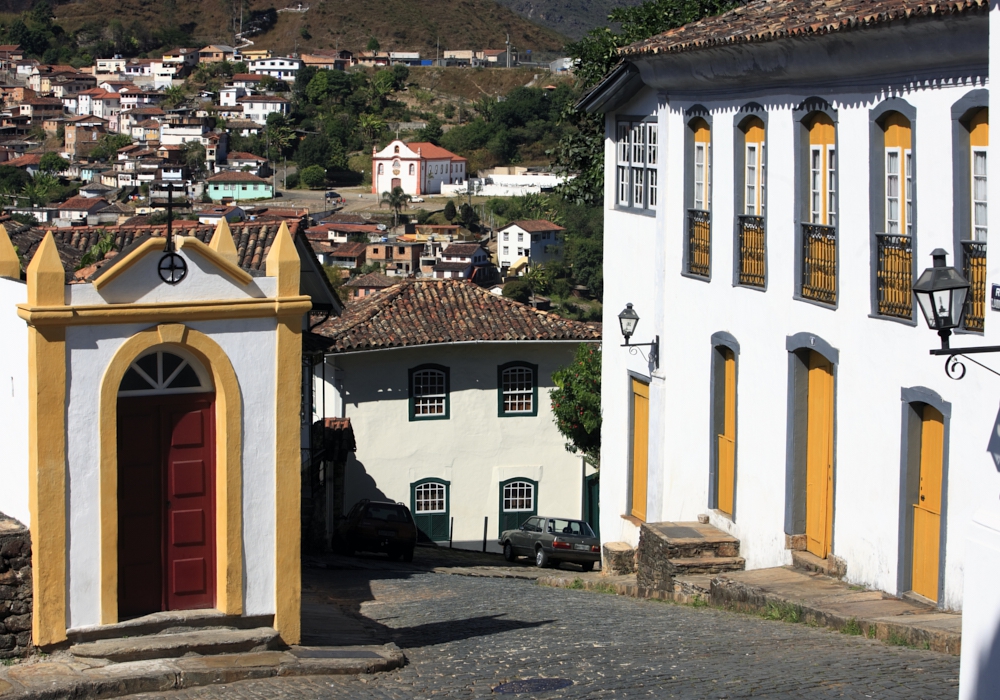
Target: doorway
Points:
(725, 422)
(925, 573)
(166, 486)
(819, 456)
(396, 182)
(639, 468)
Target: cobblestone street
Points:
(463, 635)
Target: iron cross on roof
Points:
(172, 267)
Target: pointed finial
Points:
(283, 262)
(10, 266)
(46, 276)
(223, 244)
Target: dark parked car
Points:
(552, 540)
(377, 526)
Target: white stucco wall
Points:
(474, 449)
(14, 402)
(878, 358)
(250, 346)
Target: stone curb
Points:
(739, 597)
(61, 679)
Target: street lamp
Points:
(628, 319)
(941, 291)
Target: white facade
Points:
(515, 242)
(256, 108)
(229, 95)
(882, 369)
(14, 403)
(419, 168)
(474, 450)
(279, 67)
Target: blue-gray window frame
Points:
(717, 407)
(751, 109)
(501, 413)
(961, 112)
(447, 392)
(644, 210)
(696, 112)
(802, 113)
(913, 399)
(876, 195)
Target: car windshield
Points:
(388, 512)
(570, 527)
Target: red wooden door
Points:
(166, 503)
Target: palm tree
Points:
(397, 200)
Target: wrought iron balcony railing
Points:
(752, 252)
(974, 270)
(699, 242)
(894, 275)
(819, 263)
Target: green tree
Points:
(52, 162)
(576, 402)
(372, 44)
(38, 190)
(314, 149)
(468, 216)
(517, 290)
(396, 200)
(109, 144)
(580, 149)
(432, 132)
(449, 211)
(194, 158)
(174, 95)
(401, 74)
(105, 244)
(371, 127)
(313, 177)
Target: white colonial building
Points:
(536, 240)
(278, 67)
(418, 167)
(257, 108)
(770, 199)
(446, 387)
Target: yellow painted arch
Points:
(229, 450)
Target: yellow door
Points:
(727, 440)
(640, 447)
(927, 511)
(819, 457)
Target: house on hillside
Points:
(256, 108)
(466, 363)
(238, 187)
(537, 240)
(278, 67)
(418, 167)
(365, 285)
(466, 261)
(397, 257)
(80, 207)
(216, 53)
(811, 173)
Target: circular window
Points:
(163, 372)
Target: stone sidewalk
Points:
(795, 595)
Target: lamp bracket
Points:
(654, 350)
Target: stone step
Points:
(685, 540)
(706, 565)
(169, 621)
(169, 645)
(807, 561)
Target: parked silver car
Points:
(552, 540)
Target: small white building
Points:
(279, 67)
(418, 167)
(450, 411)
(537, 240)
(229, 94)
(256, 108)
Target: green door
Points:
(518, 502)
(429, 503)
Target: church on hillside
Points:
(419, 168)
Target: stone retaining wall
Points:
(15, 588)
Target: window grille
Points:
(518, 390)
(518, 496)
(974, 270)
(429, 395)
(430, 498)
(895, 275)
(819, 263)
(753, 253)
(699, 242)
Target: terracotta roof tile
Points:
(349, 250)
(430, 312)
(432, 152)
(536, 225)
(236, 177)
(372, 279)
(767, 20)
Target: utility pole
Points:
(508, 50)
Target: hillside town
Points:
(342, 373)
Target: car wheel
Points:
(408, 554)
(394, 555)
(541, 558)
(587, 566)
(508, 552)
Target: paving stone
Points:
(464, 635)
(5, 687)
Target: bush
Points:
(517, 291)
(313, 177)
(449, 211)
(292, 181)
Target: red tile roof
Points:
(247, 77)
(536, 225)
(83, 203)
(430, 312)
(261, 98)
(236, 177)
(349, 250)
(375, 280)
(462, 250)
(432, 152)
(25, 160)
(768, 20)
(240, 155)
